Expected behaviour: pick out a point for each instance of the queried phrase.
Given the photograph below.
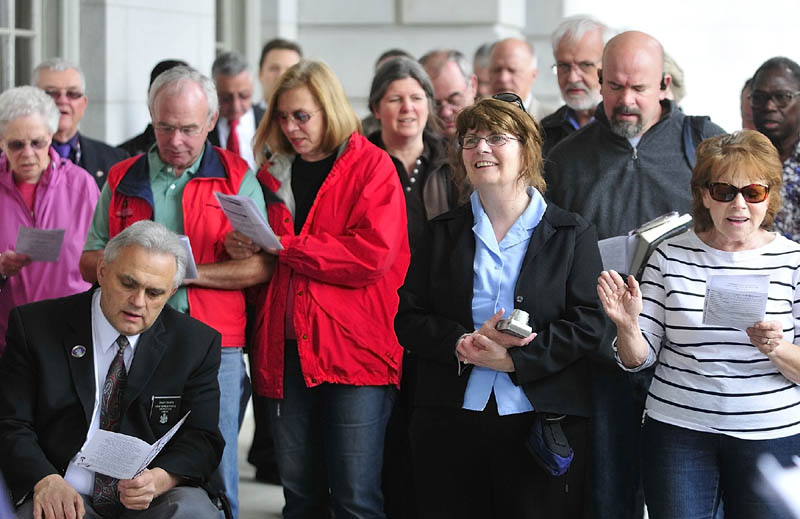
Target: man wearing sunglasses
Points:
(625, 168)
(238, 117)
(174, 184)
(578, 49)
(66, 84)
(776, 114)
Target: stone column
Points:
(121, 41)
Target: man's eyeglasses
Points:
(186, 131)
(510, 97)
(782, 98)
(494, 140)
(298, 116)
(724, 192)
(19, 145)
(55, 93)
(586, 67)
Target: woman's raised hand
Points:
(622, 302)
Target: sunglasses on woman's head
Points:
(724, 192)
(510, 97)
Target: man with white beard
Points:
(578, 50)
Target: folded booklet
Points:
(629, 254)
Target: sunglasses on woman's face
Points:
(724, 192)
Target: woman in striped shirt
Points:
(721, 396)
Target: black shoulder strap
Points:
(692, 136)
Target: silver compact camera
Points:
(516, 325)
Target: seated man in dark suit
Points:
(66, 84)
(238, 117)
(114, 358)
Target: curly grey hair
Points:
(27, 100)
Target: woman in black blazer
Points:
(482, 394)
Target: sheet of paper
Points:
(121, 456)
(735, 301)
(780, 484)
(40, 244)
(248, 220)
(616, 253)
(6, 509)
(191, 266)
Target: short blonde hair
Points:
(340, 119)
(501, 117)
(746, 152)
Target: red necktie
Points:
(105, 496)
(233, 137)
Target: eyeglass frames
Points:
(510, 97)
(724, 192)
(55, 93)
(494, 140)
(298, 116)
(782, 98)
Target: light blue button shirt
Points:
(495, 272)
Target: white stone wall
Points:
(350, 35)
(719, 43)
(121, 41)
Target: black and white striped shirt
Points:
(710, 378)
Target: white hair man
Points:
(578, 43)
(66, 84)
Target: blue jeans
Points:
(234, 390)
(329, 436)
(687, 472)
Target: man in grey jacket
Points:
(632, 164)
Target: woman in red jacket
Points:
(324, 350)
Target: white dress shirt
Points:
(246, 132)
(104, 338)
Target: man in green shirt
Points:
(174, 184)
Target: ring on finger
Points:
(769, 342)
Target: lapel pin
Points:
(78, 351)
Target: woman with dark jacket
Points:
(401, 99)
(481, 393)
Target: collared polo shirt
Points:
(167, 207)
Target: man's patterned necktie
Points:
(105, 496)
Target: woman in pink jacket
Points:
(324, 350)
(38, 189)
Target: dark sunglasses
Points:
(37, 144)
(724, 192)
(299, 116)
(510, 97)
(72, 95)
